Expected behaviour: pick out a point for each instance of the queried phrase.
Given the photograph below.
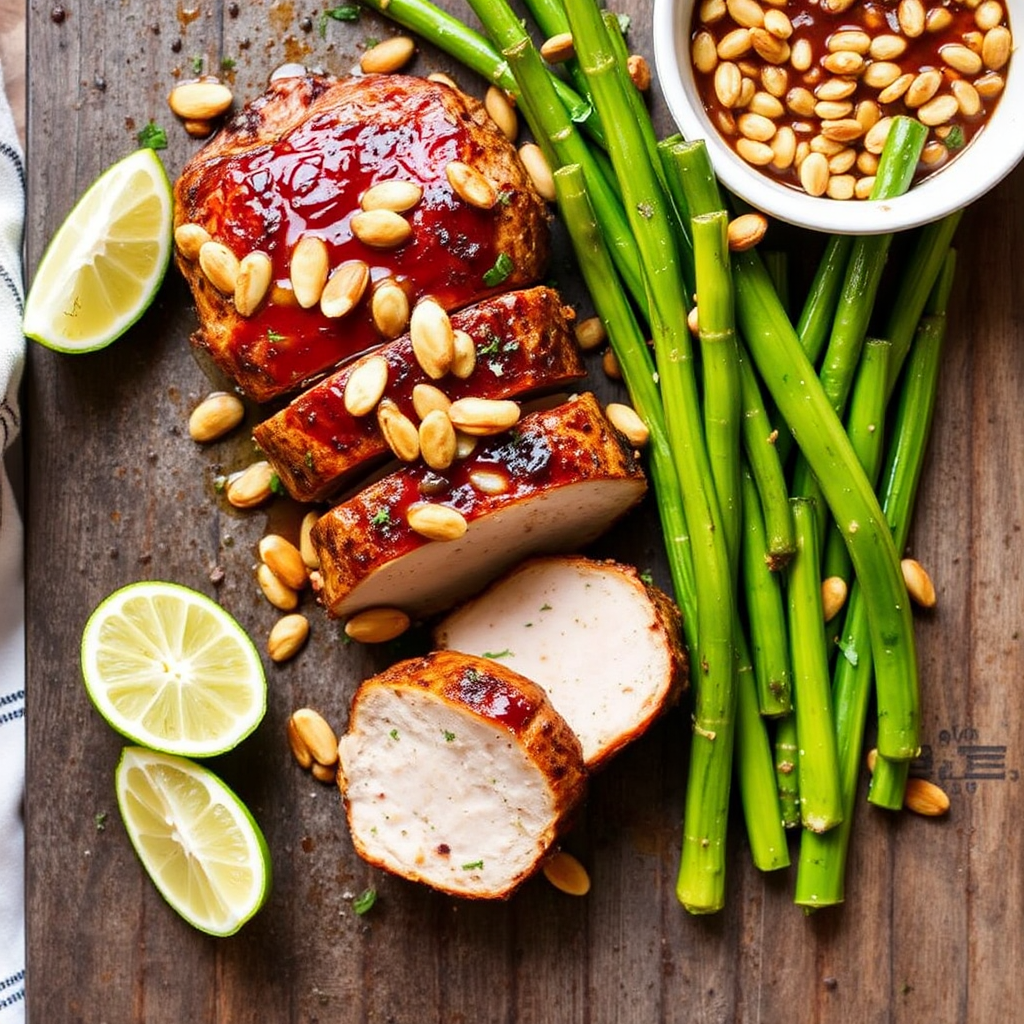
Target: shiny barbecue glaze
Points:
(297, 160)
(524, 344)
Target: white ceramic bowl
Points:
(983, 163)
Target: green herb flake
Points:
(505, 197)
(382, 517)
(503, 267)
(449, 737)
(276, 487)
(393, 734)
(274, 336)
(647, 579)
(495, 655)
(308, 461)
(152, 136)
(100, 820)
(197, 63)
(545, 607)
(473, 865)
(955, 139)
(364, 901)
(489, 347)
(228, 63)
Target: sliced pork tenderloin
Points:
(524, 346)
(604, 644)
(295, 164)
(457, 772)
(556, 482)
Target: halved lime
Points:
(195, 838)
(104, 265)
(172, 670)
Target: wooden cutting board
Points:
(932, 926)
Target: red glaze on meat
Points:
(296, 161)
(524, 346)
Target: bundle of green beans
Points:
(748, 528)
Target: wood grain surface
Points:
(116, 491)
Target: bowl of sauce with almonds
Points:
(795, 99)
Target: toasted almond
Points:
(801, 54)
(918, 582)
(251, 487)
(377, 625)
(326, 773)
(693, 321)
(871, 759)
(567, 874)
(887, 46)
(365, 386)
(911, 17)
(252, 282)
(558, 48)
(996, 48)
(284, 559)
(189, 239)
(398, 431)
(748, 13)
(639, 71)
(626, 420)
(843, 62)
(833, 596)
(777, 22)
(463, 355)
(746, 230)
(220, 266)
(287, 636)
(591, 333)
(938, 19)
(437, 440)
(298, 746)
(503, 114)
(389, 308)
(275, 590)
(432, 337)
(436, 522)
(306, 549)
(938, 110)
(442, 79)
(924, 797)
(491, 482)
(197, 129)
(344, 289)
(539, 170)
(201, 100)
(396, 195)
(308, 271)
(814, 174)
(704, 52)
(426, 398)
(734, 45)
(317, 735)
(470, 185)
(610, 365)
(960, 58)
(482, 417)
(216, 415)
(388, 56)
(381, 229)
(771, 48)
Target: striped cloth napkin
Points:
(12, 593)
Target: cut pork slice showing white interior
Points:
(605, 645)
(457, 772)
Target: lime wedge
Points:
(195, 838)
(104, 265)
(172, 670)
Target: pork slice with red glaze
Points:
(604, 644)
(524, 346)
(296, 163)
(458, 773)
(556, 482)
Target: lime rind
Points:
(88, 290)
(172, 670)
(198, 842)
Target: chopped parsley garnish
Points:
(101, 820)
(647, 579)
(505, 197)
(473, 865)
(308, 460)
(494, 655)
(276, 487)
(393, 734)
(228, 63)
(197, 64)
(503, 267)
(490, 347)
(382, 517)
(364, 901)
(545, 607)
(345, 12)
(955, 139)
(449, 737)
(152, 136)
(274, 336)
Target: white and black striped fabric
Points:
(12, 591)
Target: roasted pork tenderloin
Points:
(523, 345)
(327, 207)
(603, 644)
(457, 772)
(422, 540)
